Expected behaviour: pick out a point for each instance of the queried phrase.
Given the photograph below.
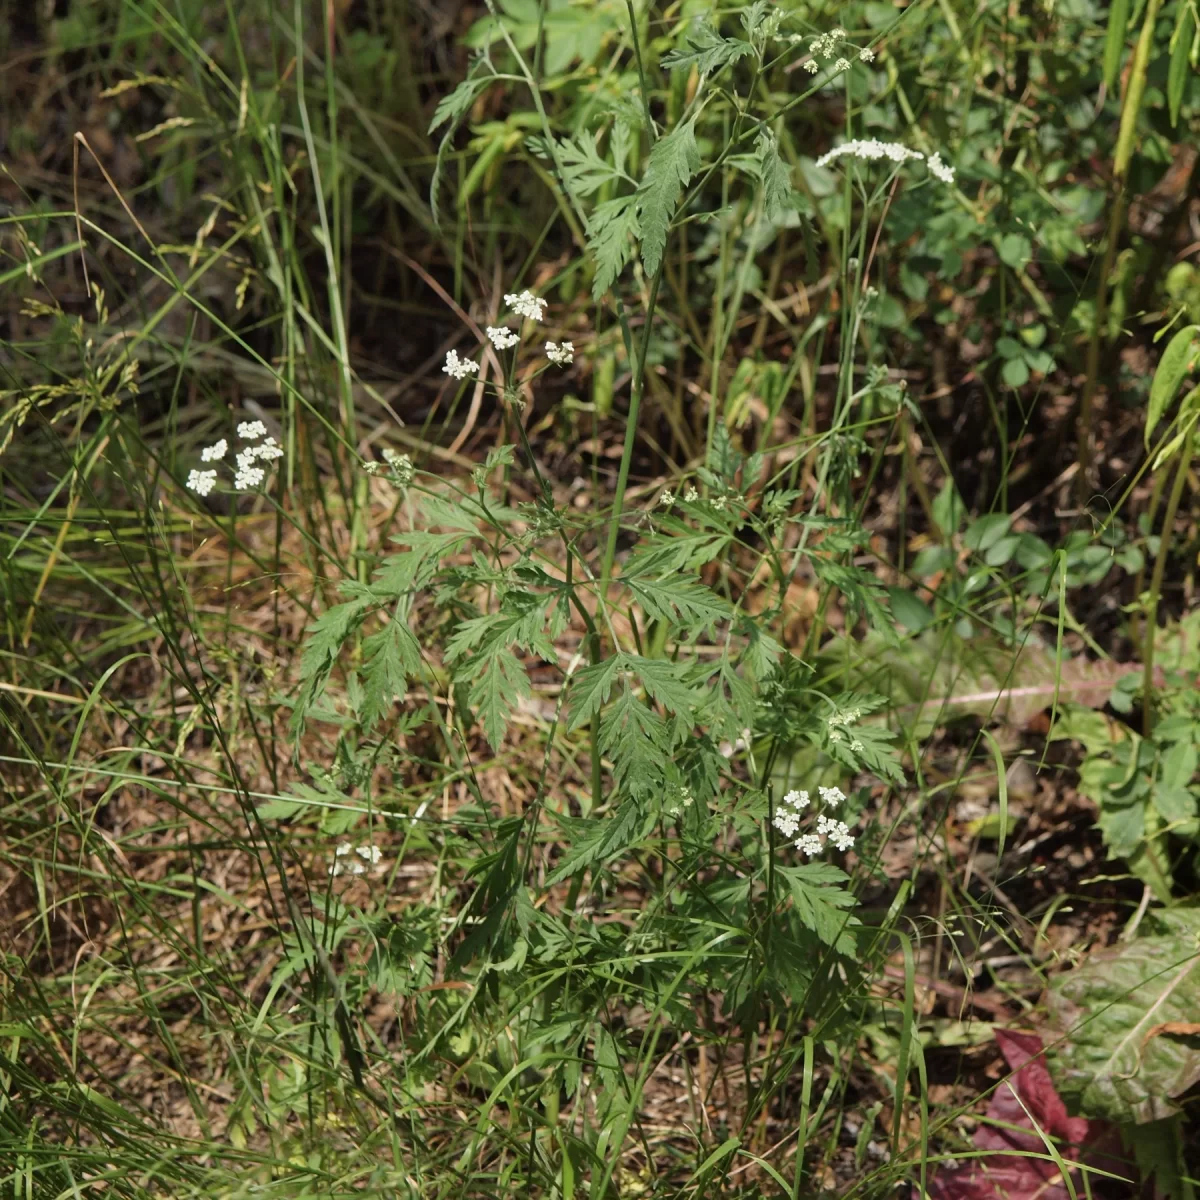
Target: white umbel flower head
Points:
(215, 452)
(796, 799)
(866, 55)
(832, 796)
(459, 368)
(501, 337)
(939, 169)
(250, 431)
(667, 498)
(201, 482)
(809, 844)
(268, 451)
(786, 821)
(248, 477)
(869, 150)
(841, 65)
(560, 353)
(838, 832)
(526, 304)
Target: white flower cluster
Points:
(788, 816)
(246, 473)
(826, 45)
(526, 304)
(560, 353)
(344, 864)
(502, 337)
(872, 150)
(459, 368)
(685, 801)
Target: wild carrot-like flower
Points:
(502, 337)
(343, 864)
(560, 353)
(459, 368)
(215, 452)
(832, 796)
(866, 55)
(869, 150)
(939, 169)
(250, 431)
(201, 482)
(667, 498)
(526, 304)
(809, 844)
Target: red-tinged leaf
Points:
(1012, 1172)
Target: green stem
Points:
(1160, 566)
(1130, 110)
(636, 388)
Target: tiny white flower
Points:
(719, 503)
(841, 65)
(796, 799)
(526, 304)
(866, 55)
(837, 33)
(939, 170)
(832, 796)
(201, 482)
(214, 452)
(343, 850)
(809, 844)
(371, 853)
(786, 821)
(691, 495)
(501, 337)
(560, 353)
(667, 498)
(812, 66)
(459, 368)
(248, 431)
(248, 477)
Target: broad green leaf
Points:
(1114, 40)
(1118, 1057)
(1171, 371)
(673, 161)
(1015, 250)
(707, 51)
(609, 230)
(910, 610)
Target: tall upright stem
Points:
(1130, 110)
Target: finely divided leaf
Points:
(609, 230)
(636, 741)
(673, 161)
(708, 52)
(773, 172)
(821, 903)
(389, 658)
(595, 839)
(679, 601)
(590, 690)
(664, 681)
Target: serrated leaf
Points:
(585, 169)
(635, 740)
(1117, 1057)
(776, 178)
(708, 51)
(679, 601)
(663, 680)
(590, 690)
(1171, 371)
(596, 839)
(821, 903)
(327, 635)
(495, 693)
(610, 229)
(672, 163)
(390, 657)
(678, 552)
(458, 103)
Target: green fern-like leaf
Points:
(390, 658)
(636, 741)
(821, 902)
(679, 601)
(609, 230)
(778, 202)
(597, 839)
(591, 688)
(708, 51)
(673, 161)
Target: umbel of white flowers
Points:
(788, 816)
(873, 150)
(343, 864)
(524, 304)
(247, 474)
